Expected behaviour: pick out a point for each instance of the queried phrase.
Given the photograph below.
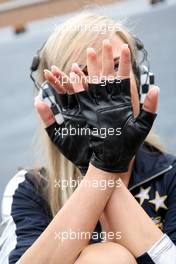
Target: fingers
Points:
(76, 82)
(124, 63)
(63, 78)
(93, 66)
(148, 114)
(54, 81)
(107, 59)
(63, 84)
(45, 113)
(151, 100)
(58, 80)
(75, 68)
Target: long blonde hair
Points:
(66, 45)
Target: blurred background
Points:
(26, 24)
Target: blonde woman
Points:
(44, 220)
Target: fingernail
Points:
(90, 50)
(54, 68)
(46, 72)
(154, 87)
(125, 45)
(37, 99)
(75, 65)
(106, 42)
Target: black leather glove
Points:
(74, 147)
(108, 106)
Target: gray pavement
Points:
(155, 26)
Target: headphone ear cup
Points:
(35, 63)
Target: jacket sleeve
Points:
(170, 217)
(23, 217)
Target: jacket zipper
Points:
(151, 178)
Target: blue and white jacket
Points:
(26, 214)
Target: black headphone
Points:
(35, 65)
(141, 68)
(144, 77)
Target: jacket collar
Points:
(149, 163)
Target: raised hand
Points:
(107, 105)
(64, 134)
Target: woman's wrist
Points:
(103, 174)
(123, 176)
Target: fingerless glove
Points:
(71, 144)
(108, 106)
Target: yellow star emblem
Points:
(159, 201)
